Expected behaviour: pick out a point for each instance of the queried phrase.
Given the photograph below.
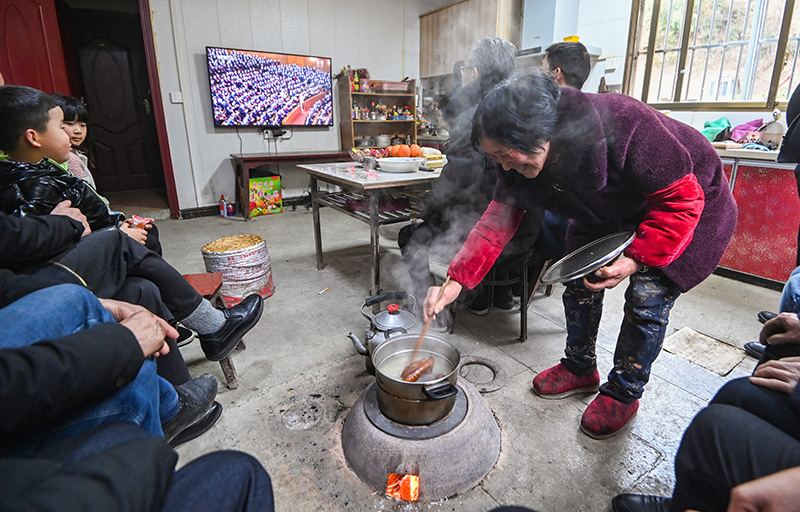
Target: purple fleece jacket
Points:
(608, 151)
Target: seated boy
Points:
(31, 181)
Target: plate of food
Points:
(400, 164)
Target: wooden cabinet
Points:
(353, 129)
(446, 34)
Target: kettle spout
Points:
(360, 348)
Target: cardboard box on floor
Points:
(265, 195)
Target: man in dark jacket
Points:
(63, 445)
(41, 251)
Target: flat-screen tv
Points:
(250, 88)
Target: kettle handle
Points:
(370, 301)
(389, 332)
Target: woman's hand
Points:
(432, 307)
(778, 374)
(613, 274)
(138, 234)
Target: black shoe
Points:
(238, 320)
(185, 336)
(754, 349)
(766, 316)
(503, 298)
(199, 427)
(194, 398)
(479, 305)
(639, 503)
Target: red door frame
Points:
(158, 107)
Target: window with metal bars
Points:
(713, 54)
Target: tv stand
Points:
(243, 163)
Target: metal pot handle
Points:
(386, 296)
(439, 391)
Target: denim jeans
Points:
(790, 298)
(54, 312)
(648, 300)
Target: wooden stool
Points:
(208, 285)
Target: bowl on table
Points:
(400, 164)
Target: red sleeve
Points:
(669, 223)
(484, 244)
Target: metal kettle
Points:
(382, 324)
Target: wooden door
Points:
(30, 53)
(122, 132)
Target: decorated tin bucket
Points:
(244, 263)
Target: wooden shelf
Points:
(350, 128)
(387, 93)
(383, 120)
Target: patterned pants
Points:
(648, 300)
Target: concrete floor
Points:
(299, 354)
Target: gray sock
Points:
(205, 319)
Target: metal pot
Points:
(397, 140)
(382, 324)
(382, 140)
(416, 403)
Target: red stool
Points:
(208, 285)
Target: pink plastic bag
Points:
(738, 133)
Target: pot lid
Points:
(588, 258)
(393, 317)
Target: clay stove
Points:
(450, 456)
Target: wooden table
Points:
(357, 185)
(243, 163)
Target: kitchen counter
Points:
(764, 243)
(748, 154)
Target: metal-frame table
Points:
(358, 185)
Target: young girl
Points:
(75, 125)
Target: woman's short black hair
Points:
(22, 108)
(74, 109)
(519, 113)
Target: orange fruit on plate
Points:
(404, 151)
(415, 150)
(393, 150)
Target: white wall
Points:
(380, 35)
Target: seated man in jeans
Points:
(70, 362)
(742, 452)
(84, 410)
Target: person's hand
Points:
(65, 208)
(613, 274)
(778, 492)
(124, 313)
(138, 234)
(784, 328)
(778, 374)
(431, 307)
(149, 332)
